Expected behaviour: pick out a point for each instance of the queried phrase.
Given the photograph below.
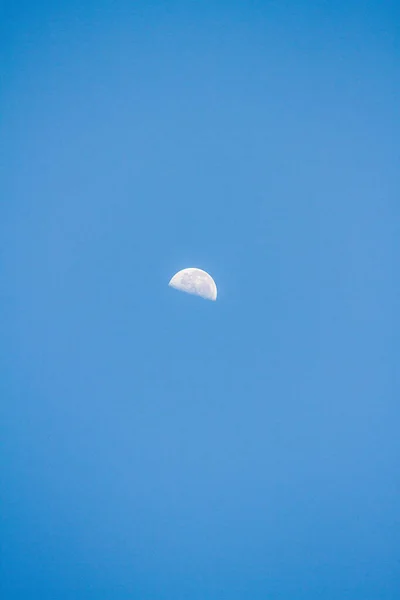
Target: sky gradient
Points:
(156, 446)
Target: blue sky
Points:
(156, 446)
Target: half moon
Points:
(195, 281)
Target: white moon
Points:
(195, 281)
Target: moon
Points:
(195, 281)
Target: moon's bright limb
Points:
(195, 281)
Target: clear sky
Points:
(156, 446)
